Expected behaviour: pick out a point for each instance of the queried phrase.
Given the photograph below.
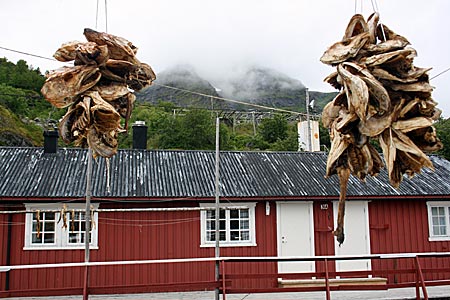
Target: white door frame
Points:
(341, 250)
(311, 231)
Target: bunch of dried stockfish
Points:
(98, 89)
(382, 96)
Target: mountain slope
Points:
(183, 77)
(257, 85)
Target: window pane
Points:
(244, 224)
(210, 225)
(245, 235)
(222, 214)
(234, 224)
(50, 216)
(234, 214)
(49, 238)
(244, 213)
(222, 235)
(438, 220)
(234, 235)
(49, 226)
(210, 214)
(35, 239)
(35, 226)
(222, 225)
(210, 236)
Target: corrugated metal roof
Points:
(28, 172)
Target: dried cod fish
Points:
(97, 89)
(63, 85)
(382, 96)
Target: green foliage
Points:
(443, 133)
(20, 75)
(273, 129)
(13, 132)
(25, 103)
(324, 136)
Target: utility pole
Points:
(87, 219)
(308, 135)
(217, 188)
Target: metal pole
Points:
(308, 135)
(88, 223)
(217, 233)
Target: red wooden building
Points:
(287, 208)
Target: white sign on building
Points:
(303, 143)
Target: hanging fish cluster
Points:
(382, 96)
(98, 89)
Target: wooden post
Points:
(422, 281)
(327, 281)
(217, 223)
(87, 218)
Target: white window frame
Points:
(61, 234)
(252, 232)
(431, 235)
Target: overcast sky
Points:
(220, 36)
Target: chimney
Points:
(139, 135)
(50, 141)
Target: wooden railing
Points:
(228, 283)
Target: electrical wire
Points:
(29, 54)
(439, 74)
(231, 100)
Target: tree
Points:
(443, 133)
(273, 129)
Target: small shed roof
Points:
(29, 172)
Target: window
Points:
(47, 229)
(439, 220)
(236, 226)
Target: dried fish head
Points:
(343, 50)
(142, 77)
(356, 26)
(331, 111)
(73, 125)
(372, 23)
(67, 51)
(111, 90)
(118, 47)
(91, 54)
(118, 70)
(334, 80)
(102, 144)
(64, 84)
(356, 91)
(104, 116)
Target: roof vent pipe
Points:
(50, 141)
(139, 135)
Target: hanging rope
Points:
(106, 16)
(96, 17)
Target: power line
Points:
(231, 100)
(445, 71)
(29, 54)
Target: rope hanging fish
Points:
(382, 97)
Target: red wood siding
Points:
(3, 244)
(401, 226)
(138, 236)
(323, 237)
